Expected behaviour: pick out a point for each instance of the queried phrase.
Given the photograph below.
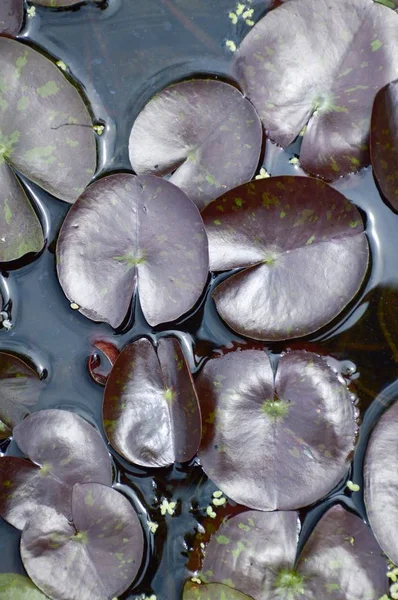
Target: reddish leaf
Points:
(20, 388)
(94, 362)
(384, 142)
(151, 412)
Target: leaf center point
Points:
(132, 260)
(81, 537)
(291, 581)
(168, 394)
(276, 410)
(45, 469)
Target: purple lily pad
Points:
(20, 388)
(11, 16)
(296, 235)
(319, 64)
(249, 550)
(59, 3)
(384, 142)
(27, 488)
(46, 130)
(204, 132)
(151, 411)
(381, 482)
(128, 233)
(95, 557)
(340, 560)
(274, 442)
(64, 450)
(46, 134)
(20, 228)
(212, 591)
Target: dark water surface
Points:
(122, 53)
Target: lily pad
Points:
(270, 539)
(204, 132)
(94, 362)
(151, 411)
(381, 482)
(384, 142)
(320, 64)
(59, 3)
(266, 435)
(20, 388)
(296, 235)
(340, 560)
(94, 557)
(18, 587)
(20, 228)
(212, 591)
(64, 450)
(11, 16)
(128, 233)
(46, 131)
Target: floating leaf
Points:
(381, 482)
(266, 436)
(340, 560)
(303, 250)
(18, 587)
(212, 591)
(320, 63)
(45, 128)
(204, 132)
(11, 16)
(272, 539)
(96, 557)
(20, 228)
(20, 388)
(65, 450)
(384, 142)
(59, 3)
(127, 233)
(94, 362)
(151, 411)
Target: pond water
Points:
(122, 52)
